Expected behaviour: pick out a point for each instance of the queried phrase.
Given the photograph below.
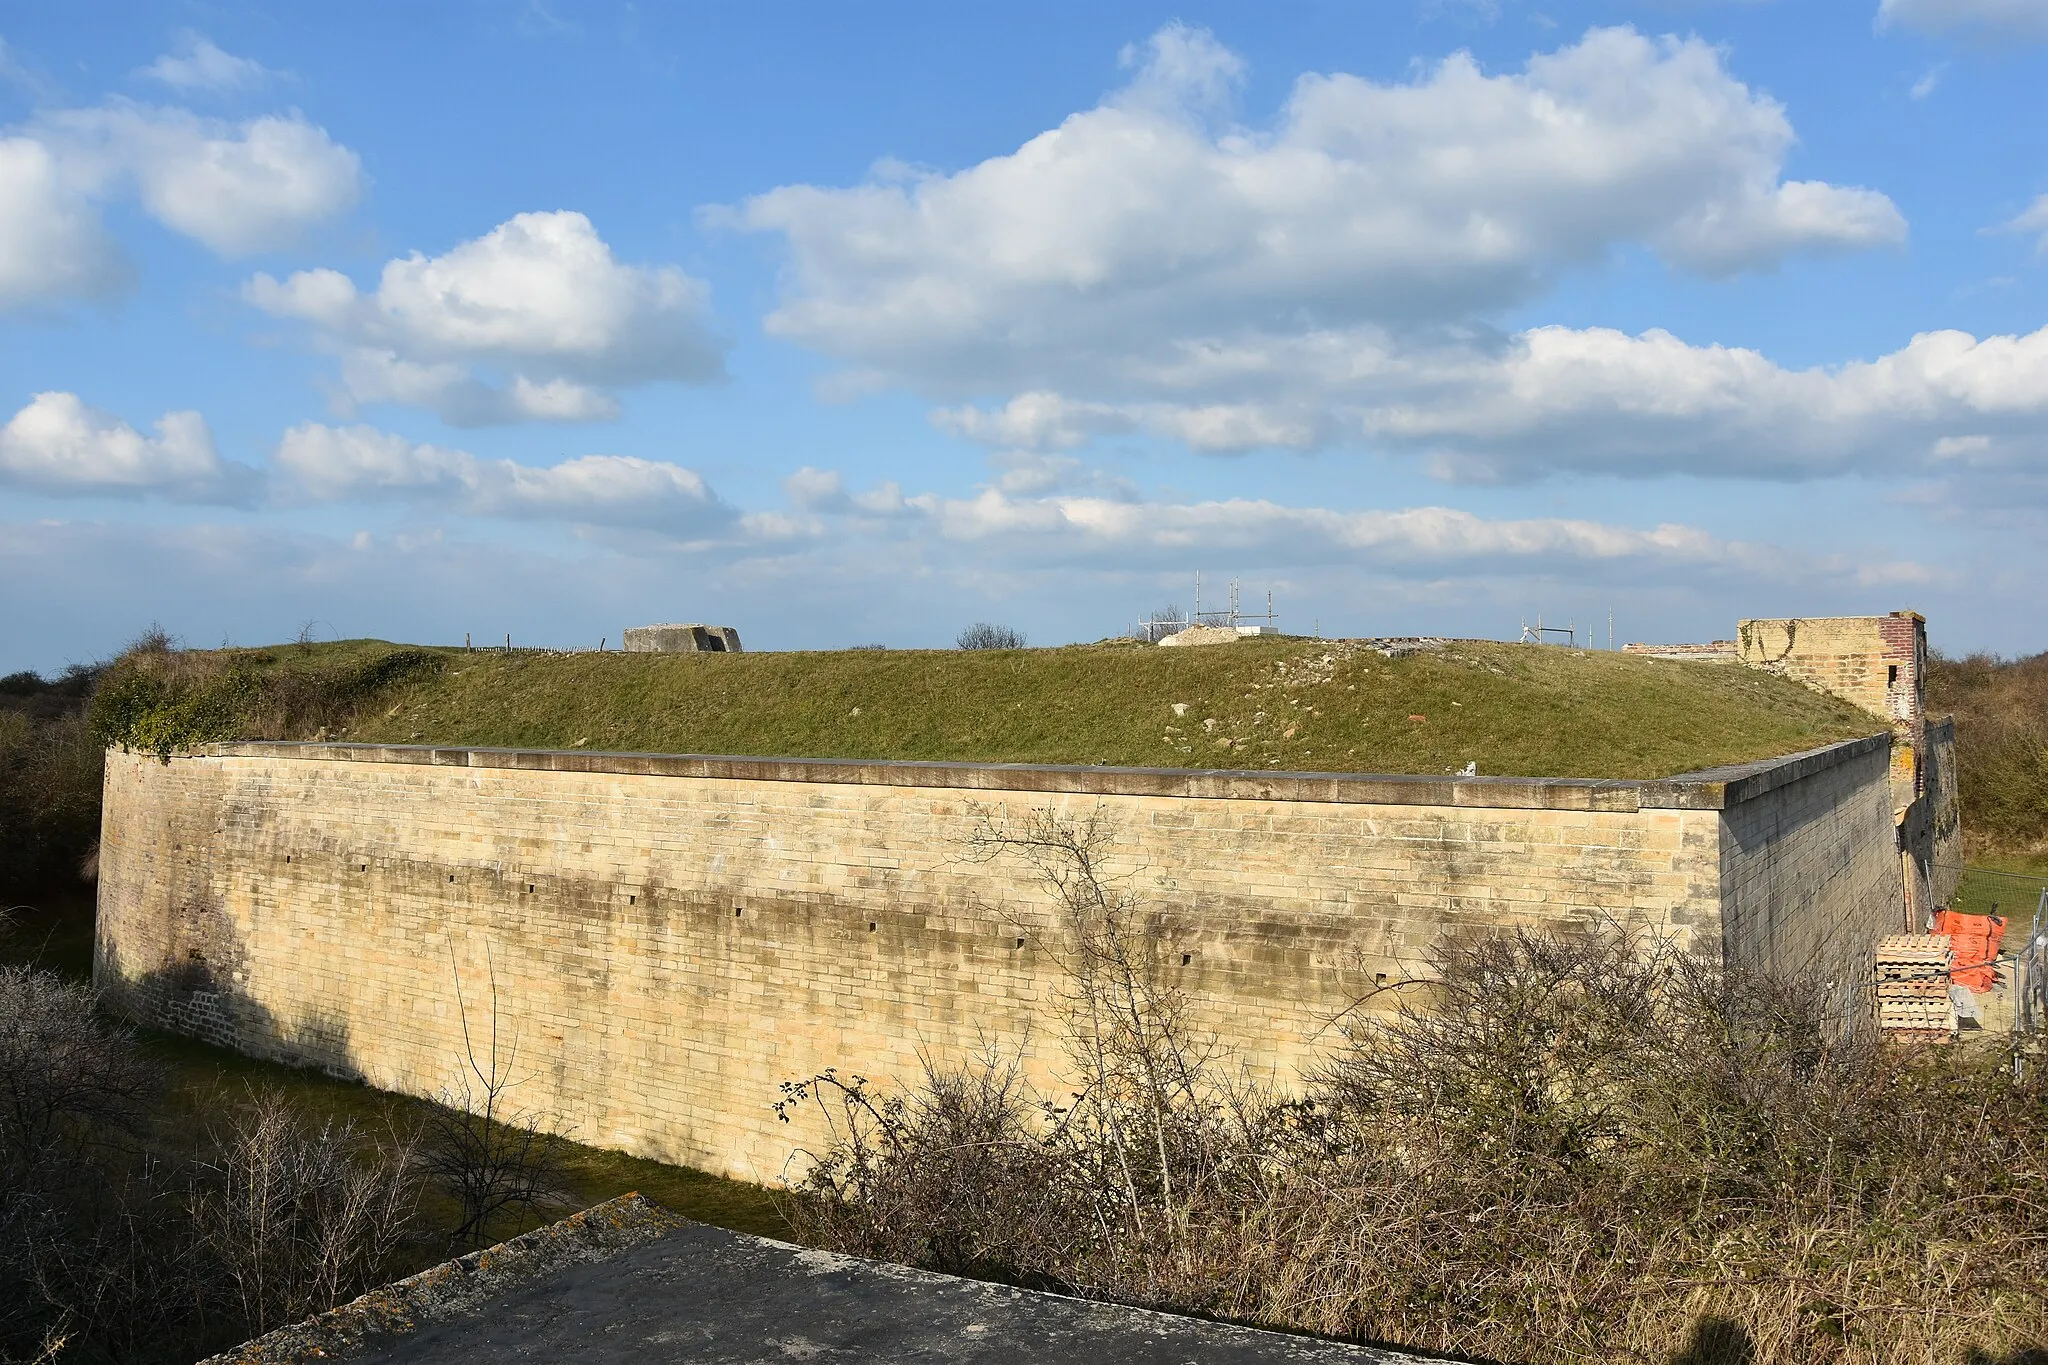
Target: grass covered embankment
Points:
(1296, 704)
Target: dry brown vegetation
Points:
(1588, 1149)
(2001, 711)
(117, 1245)
(49, 779)
(112, 1249)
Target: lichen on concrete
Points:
(459, 1286)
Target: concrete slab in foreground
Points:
(629, 1281)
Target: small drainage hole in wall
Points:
(872, 926)
(362, 867)
(737, 911)
(1186, 958)
(631, 899)
(287, 857)
(1020, 943)
(529, 888)
(451, 876)
(1379, 978)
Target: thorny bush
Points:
(1551, 1149)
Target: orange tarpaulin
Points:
(1975, 940)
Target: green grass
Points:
(56, 934)
(204, 1076)
(2010, 884)
(1292, 704)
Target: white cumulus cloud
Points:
(1149, 231)
(2026, 19)
(535, 320)
(322, 463)
(1041, 525)
(57, 444)
(51, 243)
(1584, 400)
(195, 62)
(234, 186)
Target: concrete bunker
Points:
(687, 638)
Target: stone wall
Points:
(1810, 875)
(1876, 662)
(667, 939)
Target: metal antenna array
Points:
(1157, 627)
(1538, 634)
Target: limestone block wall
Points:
(667, 939)
(1877, 662)
(1810, 873)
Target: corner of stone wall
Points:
(1811, 875)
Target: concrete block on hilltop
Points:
(1712, 652)
(682, 639)
(1215, 635)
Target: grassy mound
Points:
(160, 699)
(1306, 705)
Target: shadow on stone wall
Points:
(201, 994)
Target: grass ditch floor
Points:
(1288, 704)
(57, 935)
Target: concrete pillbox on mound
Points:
(628, 1281)
(682, 639)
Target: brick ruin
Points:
(1880, 664)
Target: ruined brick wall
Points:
(1876, 662)
(1880, 664)
(671, 938)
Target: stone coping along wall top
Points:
(1708, 789)
(629, 1282)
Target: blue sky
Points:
(848, 324)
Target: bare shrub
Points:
(1156, 1126)
(50, 779)
(299, 1218)
(985, 635)
(1592, 1145)
(1561, 1149)
(93, 1256)
(1114, 1188)
(954, 1175)
(68, 1079)
(491, 1155)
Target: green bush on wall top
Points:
(162, 701)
